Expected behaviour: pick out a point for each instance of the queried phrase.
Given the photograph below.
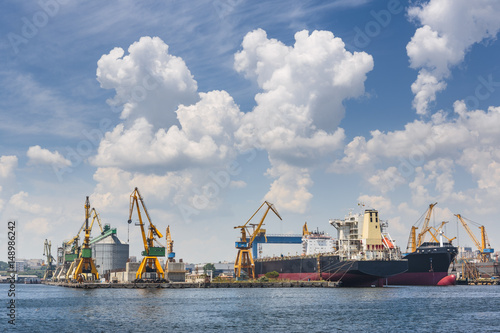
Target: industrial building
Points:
(109, 252)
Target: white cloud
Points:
(204, 138)
(426, 156)
(301, 104)
(290, 189)
(19, 202)
(149, 82)
(295, 119)
(38, 155)
(380, 203)
(7, 166)
(387, 180)
(449, 29)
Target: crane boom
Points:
(86, 265)
(151, 253)
(425, 227)
(484, 245)
(243, 259)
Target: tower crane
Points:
(49, 272)
(244, 259)
(484, 247)
(86, 264)
(150, 262)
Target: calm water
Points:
(394, 309)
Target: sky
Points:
(210, 108)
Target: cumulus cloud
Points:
(205, 137)
(387, 180)
(173, 128)
(7, 165)
(19, 202)
(149, 82)
(300, 106)
(426, 155)
(38, 155)
(380, 203)
(448, 30)
(303, 87)
(290, 189)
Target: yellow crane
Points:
(425, 227)
(414, 241)
(437, 231)
(86, 264)
(75, 248)
(49, 272)
(170, 245)
(150, 262)
(305, 230)
(484, 247)
(244, 258)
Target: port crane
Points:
(244, 259)
(75, 248)
(305, 230)
(415, 241)
(86, 264)
(484, 247)
(150, 262)
(49, 272)
(170, 245)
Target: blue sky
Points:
(211, 107)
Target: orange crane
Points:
(484, 247)
(150, 262)
(244, 258)
(86, 265)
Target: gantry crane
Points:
(49, 272)
(150, 262)
(484, 247)
(244, 259)
(415, 241)
(86, 264)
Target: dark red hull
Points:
(426, 266)
(351, 273)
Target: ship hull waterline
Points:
(355, 273)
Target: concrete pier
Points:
(184, 285)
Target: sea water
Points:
(41, 308)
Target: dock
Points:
(187, 285)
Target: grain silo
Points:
(109, 252)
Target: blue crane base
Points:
(282, 239)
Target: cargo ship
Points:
(428, 266)
(428, 262)
(353, 259)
